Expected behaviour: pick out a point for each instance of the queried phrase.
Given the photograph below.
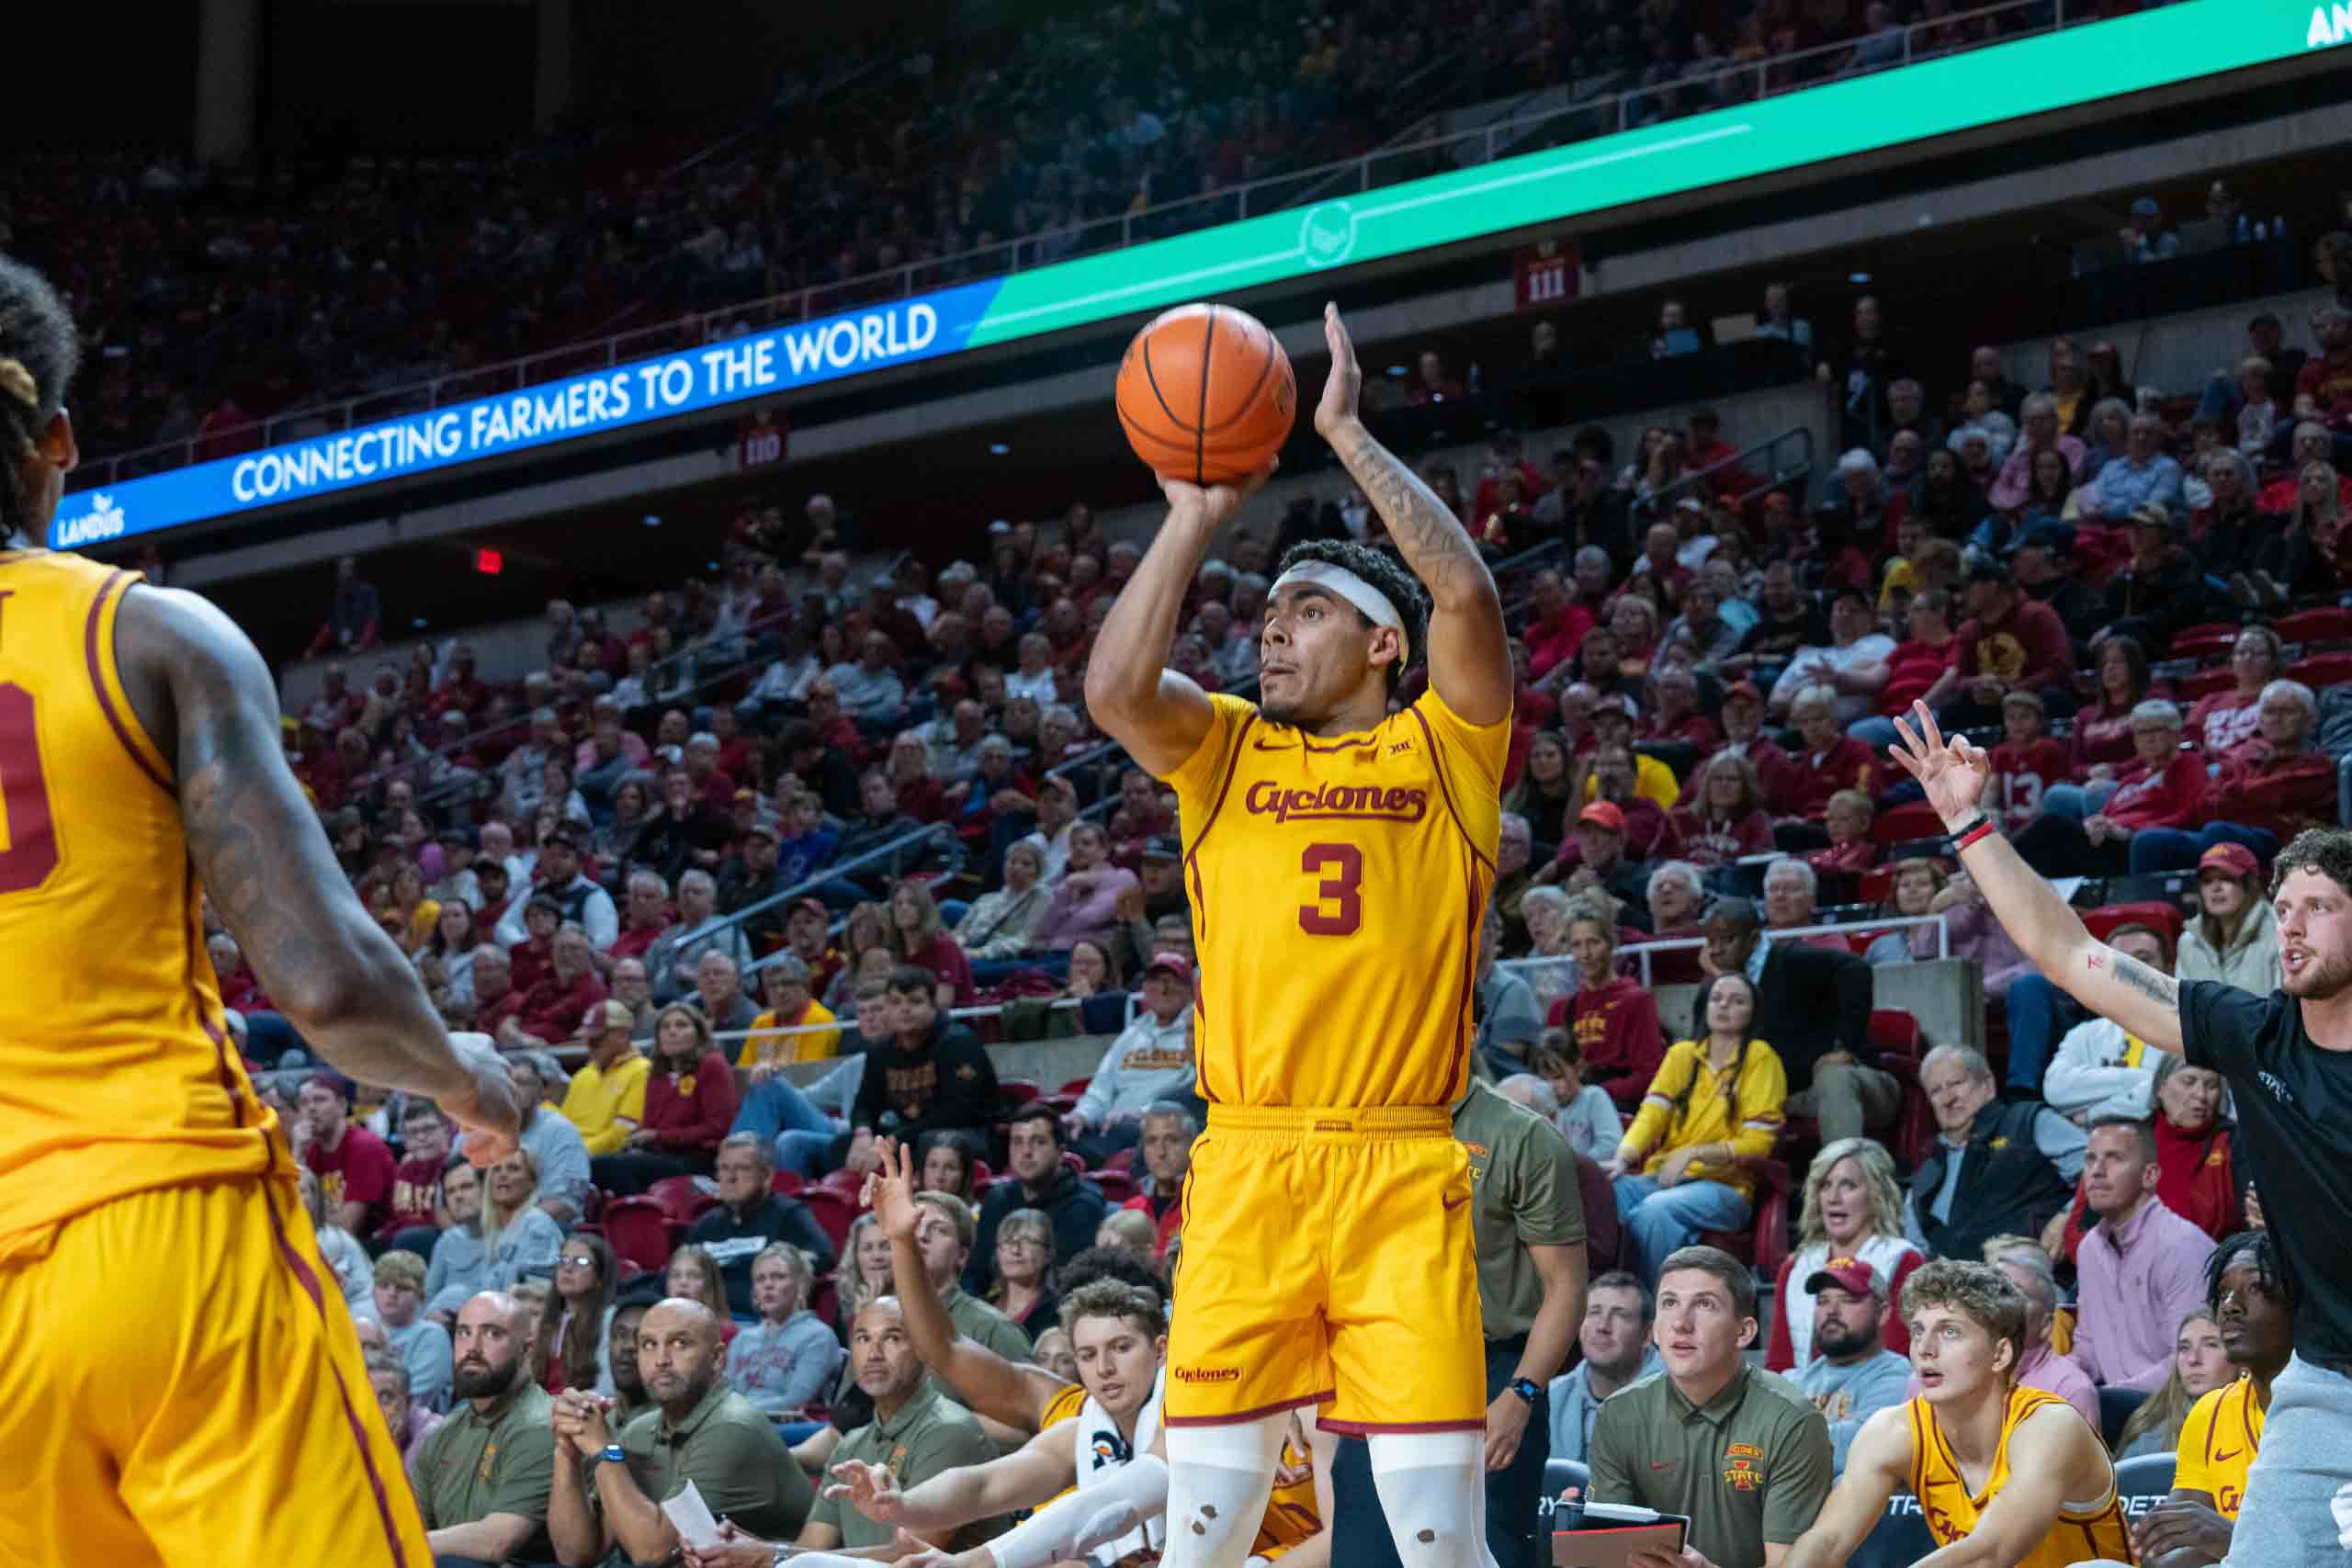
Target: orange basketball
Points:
(1206, 394)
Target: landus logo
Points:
(2330, 25)
(105, 520)
(1208, 1374)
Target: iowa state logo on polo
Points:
(1742, 1474)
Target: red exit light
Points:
(490, 563)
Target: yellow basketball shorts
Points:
(1327, 1260)
(184, 1387)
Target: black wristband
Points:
(1979, 820)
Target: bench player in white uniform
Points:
(1120, 1334)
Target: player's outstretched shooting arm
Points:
(1953, 773)
(206, 699)
(1469, 652)
(1158, 715)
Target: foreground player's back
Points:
(114, 1073)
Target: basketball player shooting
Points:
(187, 1366)
(1339, 858)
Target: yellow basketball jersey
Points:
(1952, 1510)
(2218, 1442)
(115, 1069)
(1338, 887)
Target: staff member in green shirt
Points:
(1529, 1222)
(1737, 1449)
(699, 1430)
(481, 1477)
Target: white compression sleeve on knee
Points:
(1218, 1480)
(1075, 1524)
(1432, 1486)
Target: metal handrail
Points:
(830, 872)
(1687, 943)
(569, 1050)
(1268, 194)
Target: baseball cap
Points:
(1848, 1274)
(1613, 701)
(1174, 962)
(334, 1083)
(1743, 689)
(2049, 534)
(2235, 859)
(1162, 847)
(814, 905)
(1603, 814)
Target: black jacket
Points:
(2006, 1184)
(734, 1242)
(948, 1081)
(1812, 1001)
(1074, 1203)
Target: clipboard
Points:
(1608, 1534)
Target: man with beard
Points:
(481, 1477)
(629, 1398)
(2288, 1056)
(700, 1431)
(1854, 1376)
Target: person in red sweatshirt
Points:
(1828, 760)
(413, 1220)
(1611, 1019)
(2165, 787)
(1723, 817)
(2028, 761)
(1560, 623)
(1839, 867)
(1743, 719)
(690, 1103)
(2270, 789)
(2009, 642)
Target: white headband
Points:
(1335, 579)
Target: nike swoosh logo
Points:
(1451, 1203)
(2232, 1454)
(1670, 1464)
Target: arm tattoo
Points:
(227, 835)
(2146, 981)
(1433, 539)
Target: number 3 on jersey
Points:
(1338, 906)
(27, 837)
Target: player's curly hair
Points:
(1979, 1292)
(2328, 851)
(1107, 1297)
(1383, 572)
(1108, 1263)
(38, 352)
(2247, 1249)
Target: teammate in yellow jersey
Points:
(2008, 1476)
(2193, 1526)
(187, 1365)
(1339, 857)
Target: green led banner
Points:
(1913, 103)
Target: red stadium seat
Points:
(1877, 885)
(2321, 671)
(849, 1186)
(788, 1182)
(2329, 622)
(2205, 682)
(1911, 820)
(1914, 1123)
(1075, 1086)
(1123, 1160)
(2213, 638)
(1118, 1186)
(680, 1198)
(834, 1213)
(1017, 1092)
(1891, 1028)
(638, 1229)
(1765, 1241)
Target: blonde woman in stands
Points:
(864, 1271)
(1852, 1207)
(2199, 1367)
(518, 1237)
(2225, 718)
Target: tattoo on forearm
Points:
(229, 841)
(1435, 543)
(2146, 981)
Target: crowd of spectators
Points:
(214, 300)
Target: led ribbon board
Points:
(2031, 76)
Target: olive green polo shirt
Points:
(930, 1434)
(1523, 1194)
(733, 1455)
(473, 1465)
(975, 1319)
(1750, 1467)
